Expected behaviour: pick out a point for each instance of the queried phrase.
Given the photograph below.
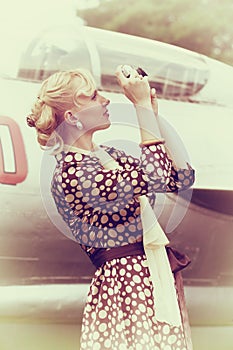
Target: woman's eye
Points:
(94, 95)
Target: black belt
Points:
(100, 256)
(178, 261)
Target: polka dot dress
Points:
(101, 206)
(102, 209)
(120, 311)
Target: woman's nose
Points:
(107, 101)
(104, 101)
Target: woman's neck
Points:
(83, 141)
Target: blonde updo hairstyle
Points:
(59, 93)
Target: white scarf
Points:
(154, 241)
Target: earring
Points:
(79, 125)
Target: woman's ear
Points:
(73, 120)
(70, 118)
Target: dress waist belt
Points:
(100, 256)
(178, 261)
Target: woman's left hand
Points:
(136, 88)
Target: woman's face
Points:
(93, 113)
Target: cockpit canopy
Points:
(176, 73)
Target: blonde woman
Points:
(105, 197)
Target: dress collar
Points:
(68, 148)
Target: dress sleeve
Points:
(176, 179)
(101, 206)
(181, 179)
(97, 186)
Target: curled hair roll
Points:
(31, 120)
(45, 121)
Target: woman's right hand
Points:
(136, 88)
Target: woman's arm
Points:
(137, 90)
(174, 145)
(152, 127)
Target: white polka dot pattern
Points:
(101, 206)
(120, 311)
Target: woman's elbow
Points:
(187, 182)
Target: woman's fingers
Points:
(126, 74)
(153, 93)
(136, 87)
(154, 101)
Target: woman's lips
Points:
(106, 114)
